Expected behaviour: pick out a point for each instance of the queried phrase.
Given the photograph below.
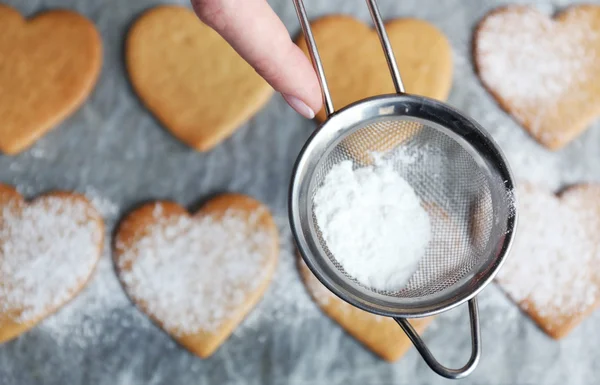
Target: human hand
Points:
(258, 35)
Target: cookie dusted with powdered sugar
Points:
(552, 272)
(198, 275)
(48, 251)
(545, 72)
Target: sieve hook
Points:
(316, 58)
(430, 359)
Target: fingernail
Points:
(300, 107)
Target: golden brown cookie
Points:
(381, 335)
(48, 251)
(190, 78)
(552, 272)
(356, 68)
(198, 275)
(48, 67)
(545, 72)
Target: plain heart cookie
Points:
(48, 251)
(381, 335)
(199, 275)
(48, 67)
(552, 272)
(197, 86)
(544, 72)
(355, 65)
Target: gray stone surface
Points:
(115, 151)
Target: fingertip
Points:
(316, 98)
(259, 36)
(299, 106)
(309, 89)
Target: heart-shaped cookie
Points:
(544, 72)
(190, 78)
(381, 335)
(553, 272)
(48, 251)
(198, 276)
(356, 68)
(48, 67)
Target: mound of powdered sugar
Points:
(47, 250)
(373, 223)
(191, 273)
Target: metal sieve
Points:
(458, 172)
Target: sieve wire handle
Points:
(386, 45)
(430, 359)
(316, 58)
(314, 55)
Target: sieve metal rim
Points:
(339, 125)
(505, 172)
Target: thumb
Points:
(258, 35)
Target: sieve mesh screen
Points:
(452, 185)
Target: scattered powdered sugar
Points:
(47, 250)
(551, 262)
(511, 201)
(535, 165)
(38, 152)
(287, 301)
(406, 155)
(401, 155)
(533, 61)
(373, 223)
(87, 319)
(494, 308)
(191, 273)
(107, 208)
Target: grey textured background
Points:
(115, 151)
